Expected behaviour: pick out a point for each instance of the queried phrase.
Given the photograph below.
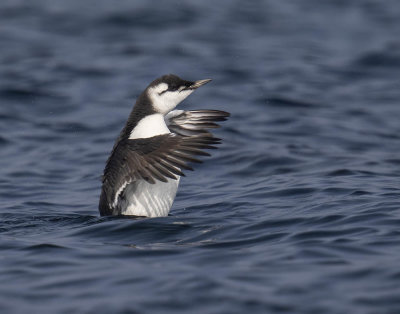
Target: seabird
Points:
(142, 174)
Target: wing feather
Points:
(152, 159)
(194, 122)
(161, 157)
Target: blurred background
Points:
(297, 212)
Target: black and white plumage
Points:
(142, 174)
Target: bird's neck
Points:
(141, 109)
(143, 121)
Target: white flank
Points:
(150, 200)
(149, 126)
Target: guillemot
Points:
(142, 174)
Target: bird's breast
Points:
(150, 126)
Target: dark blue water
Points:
(297, 212)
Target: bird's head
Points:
(168, 91)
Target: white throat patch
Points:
(163, 100)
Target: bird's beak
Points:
(199, 83)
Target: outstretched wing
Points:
(155, 158)
(194, 122)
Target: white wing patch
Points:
(120, 190)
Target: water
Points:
(297, 212)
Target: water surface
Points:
(297, 212)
